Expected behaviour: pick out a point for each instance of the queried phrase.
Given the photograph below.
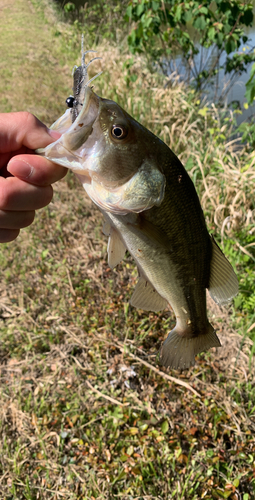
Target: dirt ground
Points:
(85, 410)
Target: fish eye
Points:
(70, 101)
(119, 131)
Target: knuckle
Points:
(29, 119)
(29, 124)
(4, 195)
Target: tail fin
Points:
(179, 352)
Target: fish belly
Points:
(193, 332)
(154, 263)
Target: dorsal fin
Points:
(223, 285)
(146, 297)
(116, 248)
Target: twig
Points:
(77, 475)
(251, 328)
(70, 282)
(8, 309)
(151, 367)
(1, 478)
(112, 400)
(90, 422)
(42, 489)
(159, 372)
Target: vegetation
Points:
(191, 28)
(102, 19)
(85, 411)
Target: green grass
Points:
(85, 411)
(35, 67)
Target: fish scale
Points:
(151, 208)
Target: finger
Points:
(36, 169)
(24, 129)
(7, 235)
(16, 194)
(16, 220)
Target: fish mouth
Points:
(86, 148)
(78, 140)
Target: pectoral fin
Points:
(146, 297)
(223, 285)
(145, 189)
(116, 249)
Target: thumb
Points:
(24, 129)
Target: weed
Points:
(84, 414)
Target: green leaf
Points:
(226, 494)
(250, 91)
(189, 163)
(129, 10)
(139, 10)
(247, 18)
(143, 427)
(165, 426)
(203, 111)
(211, 33)
(252, 72)
(130, 450)
(200, 23)
(187, 16)
(121, 475)
(155, 6)
(69, 7)
(230, 45)
(203, 10)
(45, 253)
(178, 13)
(219, 39)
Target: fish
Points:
(151, 208)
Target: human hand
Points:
(25, 178)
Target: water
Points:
(220, 90)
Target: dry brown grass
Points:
(75, 421)
(82, 414)
(223, 171)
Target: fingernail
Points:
(54, 134)
(20, 168)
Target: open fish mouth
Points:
(78, 140)
(101, 145)
(76, 125)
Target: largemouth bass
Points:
(151, 208)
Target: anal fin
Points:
(146, 297)
(223, 285)
(116, 248)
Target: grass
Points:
(85, 411)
